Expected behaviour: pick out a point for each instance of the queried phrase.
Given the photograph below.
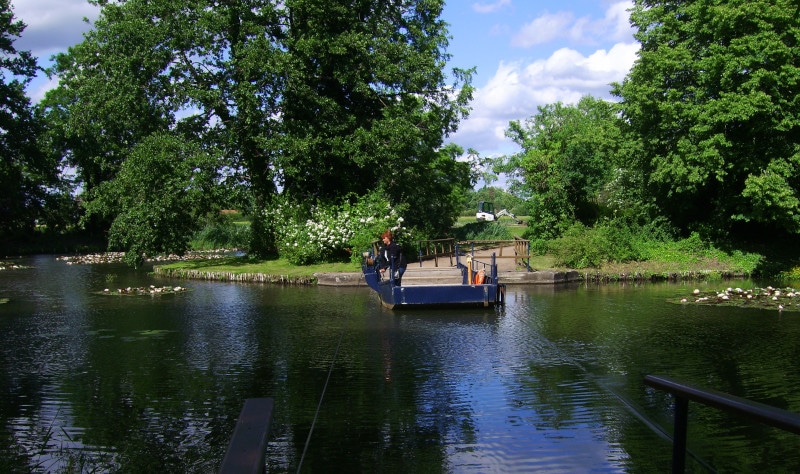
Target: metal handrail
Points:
(683, 393)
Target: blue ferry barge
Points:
(468, 284)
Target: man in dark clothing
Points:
(391, 252)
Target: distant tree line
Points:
(170, 110)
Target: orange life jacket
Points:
(480, 277)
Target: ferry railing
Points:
(684, 393)
(520, 250)
(489, 270)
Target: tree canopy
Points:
(315, 100)
(569, 155)
(713, 100)
(28, 179)
(158, 198)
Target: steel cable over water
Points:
(626, 403)
(325, 386)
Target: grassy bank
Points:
(672, 266)
(246, 269)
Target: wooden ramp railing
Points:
(521, 249)
(436, 249)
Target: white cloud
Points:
(618, 20)
(518, 88)
(542, 30)
(52, 25)
(490, 7)
(614, 26)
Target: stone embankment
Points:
(234, 277)
(515, 277)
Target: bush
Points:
(333, 233)
(582, 247)
(538, 246)
(221, 234)
(483, 231)
(692, 244)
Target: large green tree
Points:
(202, 70)
(27, 178)
(366, 106)
(314, 99)
(569, 157)
(366, 94)
(713, 98)
(431, 184)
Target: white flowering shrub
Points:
(323, 233)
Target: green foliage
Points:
(569, 155)
(614, 242)
(431, 189)
(326, 233)
(110, 95)
(774, 194)
(538, 246)
(712, 101)
(582, 247)
(482, 231)
(158, 198)
(321, 100)
(366, 98)
(28, 178)
(792, 274)
(221, 234)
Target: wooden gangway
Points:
(419, 276)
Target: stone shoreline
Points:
(343, 279)
(540, 277)
(234, 277)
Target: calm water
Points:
(552, 382)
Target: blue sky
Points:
(527, 53)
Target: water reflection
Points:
(551, 382)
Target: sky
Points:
(528, 53)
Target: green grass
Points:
(510, 224)
(239, 265)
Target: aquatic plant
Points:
(151, 290)
(781, 299)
